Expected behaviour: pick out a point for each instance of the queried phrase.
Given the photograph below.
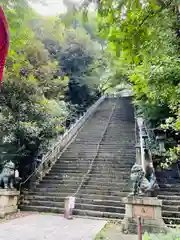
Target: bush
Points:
(172, 235)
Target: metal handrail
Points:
(149, 139)
(147, 132)
(67, 132)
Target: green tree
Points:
(33, 111)
(79, 58)
(52, 73)
(144, 38)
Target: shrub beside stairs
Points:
(107, 138)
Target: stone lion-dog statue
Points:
(7, 176)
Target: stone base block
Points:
(149, 209)
(8, 202)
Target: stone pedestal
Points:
(149, 209)
(8, 202)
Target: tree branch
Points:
(151, 14)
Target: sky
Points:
(52, 8)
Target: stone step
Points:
(80, 169)
(168, 193)
(122, 137)
(101, 208)
(82, 206)
(79, 195)
(101, 155)
(90, 149)
(110, 159)
(68, 177)
(106, 173)
(83, 190)
(171, 202)
(95, 163)
(114, 124)
(172, 214)
(107, 138)
(75, 211)
(104, 145)
(124, 151)
(172, 189)
(169, 198)
(63, 187)
(100, 159)
(169, 186)
(76, 154)
(88, 163)
(78, 200)
(92, 182)
(170, 208)
(96, 176)
(107, 145)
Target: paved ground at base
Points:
(50, 227)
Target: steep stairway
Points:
(108, 139)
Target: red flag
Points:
(4, 42)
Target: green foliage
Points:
(31, 108)
(171, 235)
(49, 77)
(143, 37)
(78, 57)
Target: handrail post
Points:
(140, 122)
(142, 150)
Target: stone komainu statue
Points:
(142, 185)
(7, 176)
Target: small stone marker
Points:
(149, 209)
(68, 207)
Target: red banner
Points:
(4, 42)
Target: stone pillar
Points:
(149, 209)
(8, 202)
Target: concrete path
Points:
(50, 227)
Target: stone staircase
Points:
(169, 182)
(108, 138)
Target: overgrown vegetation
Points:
(51, 78)
(173, 235)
